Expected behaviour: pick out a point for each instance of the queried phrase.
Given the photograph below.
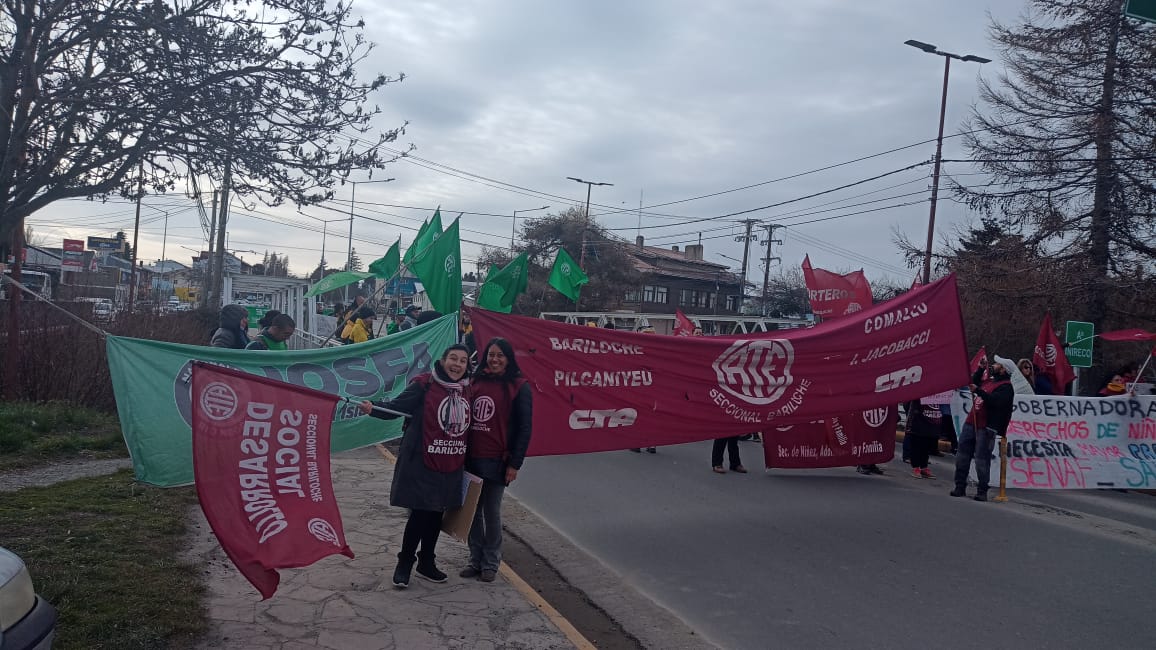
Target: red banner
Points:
(1050, 358)
(261, 464)
(854, 439)
(682, 325)
(833, 295)
(599, 389)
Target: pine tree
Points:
(1066, 139)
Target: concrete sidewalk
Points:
(351, 604)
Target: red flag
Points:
(682, 324)
(1128, 335)
(1049, 356)
(261, 464)
(833, 295)
(978, 359)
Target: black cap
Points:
(412, 308)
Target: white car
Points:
(27, 621)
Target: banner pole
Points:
(1002, 497)
(379, 409)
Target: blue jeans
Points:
(486, 531)
(979, 445)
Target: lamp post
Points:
(352, 202)
(586, 218)
(947, 57)
(514, 228)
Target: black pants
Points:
(732, 447)
(948, 432)
(921, 448)
(423, 526)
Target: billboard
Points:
(72, 258)
(105, 244)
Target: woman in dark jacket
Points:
(428, 476)
(503, 410)
(233, 328)
(924, 423)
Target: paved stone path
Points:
(351, 604)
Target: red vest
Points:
(492, 409)
(445, 420)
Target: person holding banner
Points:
(989, 418)
(428, 476)
(233, 330)
(499, 436)
(922, 427)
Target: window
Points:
(634, 295)
(651, 293)
(685, 297)
(733, 303)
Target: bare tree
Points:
(103, 97)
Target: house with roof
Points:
(681, 279)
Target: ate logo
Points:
(757, 372)
(875, 417)
(852, 308)
(484, 408)
(454, 415)
(898, 379)
(602, 419)
(1049, 353)
(565, 268)
(324, 531)
(218, 401)
(451, 264)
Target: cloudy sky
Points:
(698, 110)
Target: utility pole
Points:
(222, 223)
(207, 287)
(135, 242)
(585, 218)
(771, 241)
(15, 295)
(746, 239)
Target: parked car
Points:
(102, 312)
(27, 621)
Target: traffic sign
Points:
(1142, 9)
(1078, 337)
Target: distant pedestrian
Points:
(362, 328)
(923, 428)
(989, 417)
(233, 328)
(500, 429)
(427, 478)
(274, 335)
(410, 320)
(731, 444)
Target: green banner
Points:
(151, 380)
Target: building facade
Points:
(681, 279)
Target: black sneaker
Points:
(636, 450)
(958, 493)
(862, 469)
(401, 575)
(874, 469)
(980, 497)
(431, 573)
(651, 450)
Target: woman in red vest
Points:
(428, 476)
(498, 439)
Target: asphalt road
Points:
(832, 559)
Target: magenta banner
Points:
(599, 389)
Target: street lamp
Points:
(586, 223)
(352, 202)
(947, 57)
(514, 228)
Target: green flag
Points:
(336, 281)
(428, 232)
(502, 287)
(566, 276)
(439, 267)
(387, 267)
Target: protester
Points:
(638, 450)
(1116, 383)
(428, 316)
(716, 455)
(362, 329)
(869, 469)
(989, 417)
(947, 428)
(499, 435)
(427, 478)
(410, 320)
(339, 314)
(394, 325)
(274, 335)
(232, 331)
(267, 319)
(922, 427)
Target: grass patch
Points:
(107, 553)
(33, 434)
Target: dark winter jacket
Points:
(415, 485)
(518, 432)
(229, 333)
(923, 420)
(997, 395)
